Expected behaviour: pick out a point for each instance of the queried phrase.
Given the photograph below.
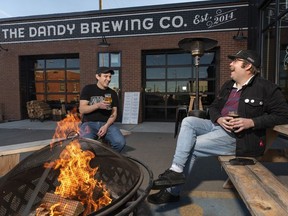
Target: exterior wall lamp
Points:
(103, 43)
(240, 35)
(2, 48)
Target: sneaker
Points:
(163, 196)
(168, 179)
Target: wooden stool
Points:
(191, 104)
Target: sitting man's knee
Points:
(189, 120)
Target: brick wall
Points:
(130, 47)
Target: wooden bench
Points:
(10, 154)
(260, 190)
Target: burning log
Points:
(53, 204)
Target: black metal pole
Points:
(197, 60)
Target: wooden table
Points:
(275, 155)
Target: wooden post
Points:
(8, 162)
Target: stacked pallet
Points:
(38, 110)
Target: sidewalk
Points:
(153, 144)
(161, 127)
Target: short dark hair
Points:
(254, 70)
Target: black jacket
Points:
(263, 102)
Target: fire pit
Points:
(24, 187)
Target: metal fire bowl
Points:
(23, 188)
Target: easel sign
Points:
(131, 108)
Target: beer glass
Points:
(108, 99)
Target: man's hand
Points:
(240, 124)
(225, 123)
(235, 125)
(85, 108)
(102, 131)
(103, 105)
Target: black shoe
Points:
(168, 179)
(163, 196)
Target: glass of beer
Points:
(233, 114)
(108, 99)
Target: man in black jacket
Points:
(259, 105)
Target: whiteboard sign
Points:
(131, 108)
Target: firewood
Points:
(63, 206)
(38, 109)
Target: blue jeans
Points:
(200, 138)
(113, 136)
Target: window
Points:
(113, 61)
(283, 49)
(275, 43)
(57, 80)
(169, 79)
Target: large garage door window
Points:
(57, 80)
(169, 80)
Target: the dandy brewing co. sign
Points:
(149, 23)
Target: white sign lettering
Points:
(167, 22)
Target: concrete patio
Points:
(153, 144)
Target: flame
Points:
(77, 177)
(65, 127)
(54, 211)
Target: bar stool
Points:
(183, 111)
(191, 104)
